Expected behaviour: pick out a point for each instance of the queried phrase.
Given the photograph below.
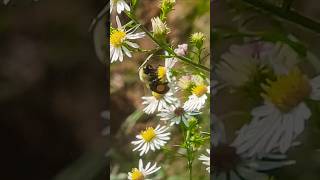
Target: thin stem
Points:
(167, 48)
(199, 55)
(288, 14)
(189, 154)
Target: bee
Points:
(149, 75)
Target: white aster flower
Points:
(142, 172)
(197, 100)
(151, 139)
(206, 160)
(238, 167)
(157, 102)
(119, 5)
(176, 114)
(242, 63)
(119, 41)
(185, 82)
(277, 123)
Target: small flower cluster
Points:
(177, 96)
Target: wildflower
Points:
(167, 4)
(142, 172)
(119, 41)
(237, 70)
(181, 50)
(185, 82)
(164, 72)
(159, 28)
(198, 97)
(158, 102)
(238, 166)
(120, 6)
(206, 160)
(254, 62)
(197, 39)
(151, 139)
(176, 114)
(281, 118)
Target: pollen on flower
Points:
(136, 174)
(287, 91)
(161, 72)
(157, 95)
(148, 134)
(117, 37)
(199, 90)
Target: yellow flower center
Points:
(162, 73)
(117, 37)
(287, 91)
(199, 90)
(157, 95)
(148, 134)
(136, 174)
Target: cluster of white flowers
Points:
(282, 114)
(165, 84)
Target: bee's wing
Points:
(145, 62)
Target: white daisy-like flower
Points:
(119, 5)
(197, 100)
(237, 167)
(157, 102)
(242, 63)
(185, 82)
(206, 160)
(176, 114)
(151, 139)
(282, 117)
(119, 41)
(142, 173)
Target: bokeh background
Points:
(52, 91)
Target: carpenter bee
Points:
(149, 75)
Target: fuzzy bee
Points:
(149, 75)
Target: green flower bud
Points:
(167, 4)
(197, 39)
(159, 28)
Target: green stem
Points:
(189, 154)
(286, 14)
(199, 56)
(167, 48)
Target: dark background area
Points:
(52, 87)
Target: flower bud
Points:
(167, 4)
(181, 50)
(159, 28)
(197, 39)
